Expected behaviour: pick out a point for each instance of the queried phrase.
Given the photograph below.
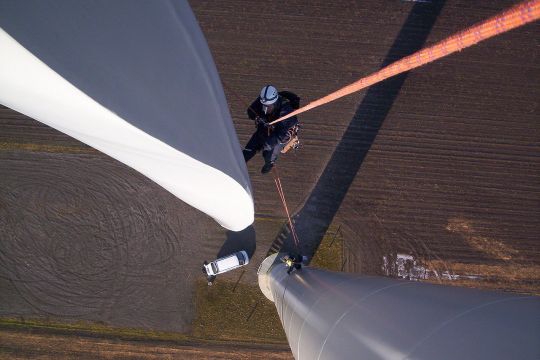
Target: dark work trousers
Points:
(269, 144)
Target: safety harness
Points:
(293, 141)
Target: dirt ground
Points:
(54, 346)
(442, 164)
(84, 238)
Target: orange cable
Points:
(517, 16)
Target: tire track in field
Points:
(84, 238)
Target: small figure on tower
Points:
(294, 262)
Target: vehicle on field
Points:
(224, 264)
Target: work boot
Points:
(267, 167)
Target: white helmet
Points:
(269, 95)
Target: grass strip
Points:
(92, 329)
(329, 255)
(240, 315)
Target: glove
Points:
(260, 122)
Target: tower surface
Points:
(331, 315)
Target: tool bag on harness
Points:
(293, 142)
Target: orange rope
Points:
(282, 196)
(517, 16)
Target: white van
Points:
(226, 263)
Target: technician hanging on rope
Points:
(272, 140)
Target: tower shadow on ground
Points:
(314, 218)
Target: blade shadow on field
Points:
(314, 218)
(241, 240)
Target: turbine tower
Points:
(332, 315)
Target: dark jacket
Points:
(283, 107)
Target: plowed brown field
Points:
(442, 163)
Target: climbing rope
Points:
(277, 180)
(517, 16)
